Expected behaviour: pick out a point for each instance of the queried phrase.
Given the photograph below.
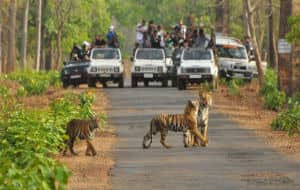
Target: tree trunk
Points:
(38, 36)
(58, 46)
(12, 36)
(296, 54)
(246, 19)
(255, 44)
(24, 35)
(1, 69)
(226, 17)
(219, 16)
(284, 60)
(271, 45)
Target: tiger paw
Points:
(204, 144)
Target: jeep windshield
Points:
(228, 51)
(106, 54)
(154, 54)
(196, 54)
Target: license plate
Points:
(75, 76)
(148, 75)
(104, 75)
(239, 75)
(195, 76)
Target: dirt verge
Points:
(248, 110)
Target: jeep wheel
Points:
(146, 83)
(248, 80)
(133, 82)
(65, 84)
(121, 83)
(91, 83)
(165, 83)
(174, 83)
(181, 84)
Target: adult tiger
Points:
(205, 100)
(174, 122)
(83, 129)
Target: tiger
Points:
(83, 129)
(205, 100)
(174, 122)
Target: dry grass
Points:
(248, 110)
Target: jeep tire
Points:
(121, 83)
(91, 83)
(133, 82)
(181, 84)
(164, 83)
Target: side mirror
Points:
(131, 58)
(65, 63)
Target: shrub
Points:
(30, 136)
(233, 87)
(35, 83)
(273, 98)
(289, 120)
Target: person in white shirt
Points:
(141, 28)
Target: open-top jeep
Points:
(196, 66)
(149, 64)
(106, 65)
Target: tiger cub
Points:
(83, 129)
(174, 122)
(205, 100)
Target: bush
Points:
(233, 87)
(30, 136)
(289, 120)
(35, 83)
(273, 98)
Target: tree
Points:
(24, 34)
(272, 55)
(250, 12)
(12, 36)
(1, 48)
(38, 35)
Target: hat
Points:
(85, 43)
(111, 28)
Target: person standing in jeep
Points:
(141, 28)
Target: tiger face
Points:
(191, 108)
(205, 99)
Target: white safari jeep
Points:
(149, 64)
(233, 59)
(106, 65)
(196, 66)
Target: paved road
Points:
(234, 158)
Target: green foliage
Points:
(274, 99)
(233, 87)
(34, 83)
(294, 35)
(289, 120)
(30, 136)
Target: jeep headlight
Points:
(160, 69)
(116, 69)
(137, 68)
(183, 70)
(66, 71)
